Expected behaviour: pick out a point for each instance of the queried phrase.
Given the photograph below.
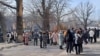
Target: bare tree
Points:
(2, 21)
(60, 7)
(2, 24)
(43, 8)
(49, 11)
(45, 13)
(83, 13)
(19, 14)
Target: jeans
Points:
(35, 41)
(69, 47)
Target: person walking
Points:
(61, 39)
(91, 34)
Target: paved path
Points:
(89, 50)
(6, 45)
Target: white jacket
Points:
(76, 38)
(91, 33)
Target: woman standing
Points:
(61, 38)
(55, 37)
(25, 38)
(77, 42)
(50, 38)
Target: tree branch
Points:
(7, 5)
(67, 13)
(40, 13)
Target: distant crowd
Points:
(72, 38)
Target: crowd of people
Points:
(72, 38)
(11, 37)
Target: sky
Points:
(96, 4)
(74, 3)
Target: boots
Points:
(60, 47)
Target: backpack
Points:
(7, 35)
(79, 41)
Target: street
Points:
(89, 50)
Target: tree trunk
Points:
(45, 16)
(46, 26)
(19, 22)
(85, 25)
(3, 27)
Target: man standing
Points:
(35, 36)
(41, 40)
(44, 36)
(95, 35)
(69, 40)
(91, 33)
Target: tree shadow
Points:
(98, 42)
(89, 54)
(1, 55)
(85, 55)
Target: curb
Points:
(2, 48)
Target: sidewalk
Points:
(6, 45)
(89, 50)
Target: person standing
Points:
(35, 36)
(12, 37)
(85, 36)
(91, 34)
(25, 38)
(55, 38)
(81, 42)
(50, 38)
(44, 36)
(77, 42)
(15, 36)
(69, 41)
(8, 37)
(41, 40)
(95, 35)
(61, 38)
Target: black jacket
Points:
(70, 36)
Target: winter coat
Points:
(91, 33)
(25, 38)
(55, 37)
(78, 39)
(35, 35)
(61, 38)
(44, 37)
(70, 36)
